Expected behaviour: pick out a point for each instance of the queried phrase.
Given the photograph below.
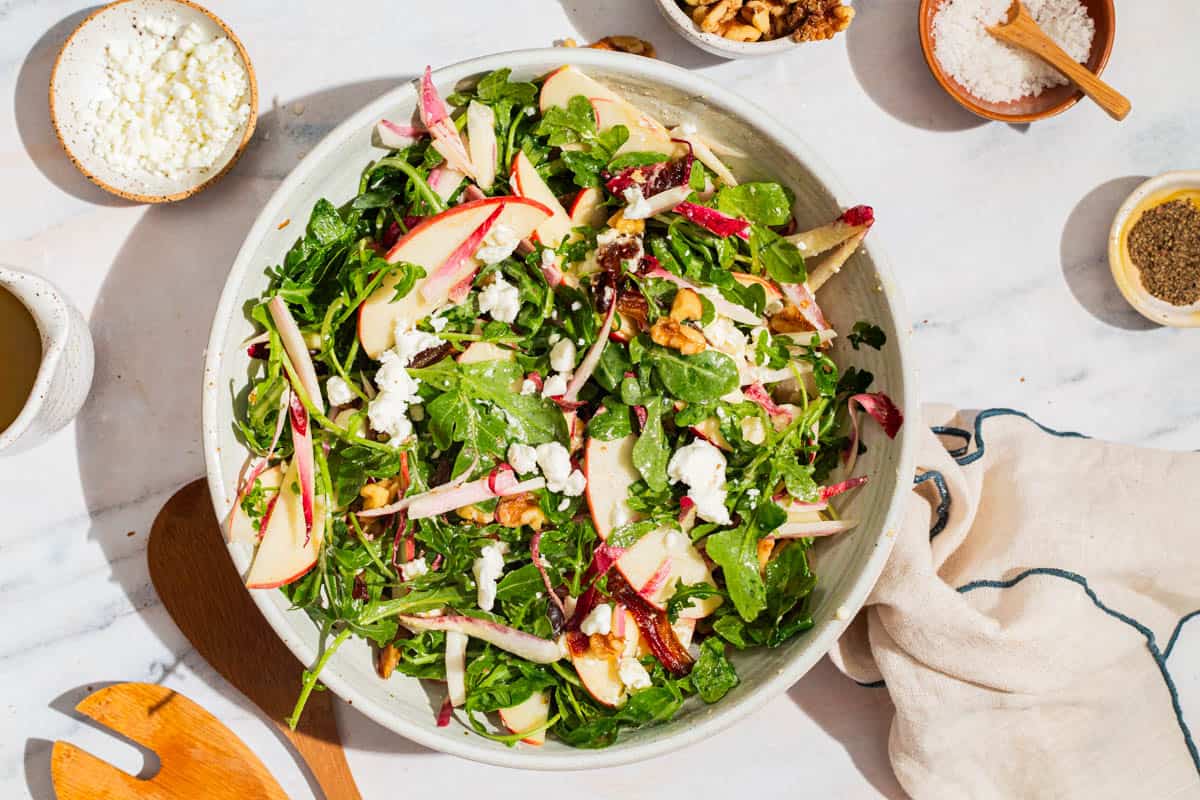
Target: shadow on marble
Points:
(857, 717)
(38, 751)
(360, 732)
(640, 18)
(31, 109)
(885, 53)
(1084, 255)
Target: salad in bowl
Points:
(547, 412)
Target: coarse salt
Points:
(994, 71)
(172, 101)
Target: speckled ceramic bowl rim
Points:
(52, 350)
(1131, 288)
(251, 121)
(715, 43)
(853, 588)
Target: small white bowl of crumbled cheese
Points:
(153, 100)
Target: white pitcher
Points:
(65, 374)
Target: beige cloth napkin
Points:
(1036, 641)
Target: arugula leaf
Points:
(636, 158)
(713, 676)
(697, 378)
(764, 203)
(571, 125)
(650, 452)
(865, 333)
(686, 592)
(780, 258)
(614, 363)
(735, 550)
(351, 465)
(496, 86)
(610, 424)
(325, 225)
(585, 167)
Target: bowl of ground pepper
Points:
(1154, 249)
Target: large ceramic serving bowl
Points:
(847, 565)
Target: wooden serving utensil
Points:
(1021, 31)
(197, 582)
(200, 757)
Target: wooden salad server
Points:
(199, 756)
(198, 584)
(1020, 30)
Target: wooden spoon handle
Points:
(1024, 33)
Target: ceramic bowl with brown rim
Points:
(80, 77)
(1031, 108)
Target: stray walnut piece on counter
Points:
(761, 20)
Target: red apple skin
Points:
(284, 582)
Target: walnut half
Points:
(670, 333)
(516, 510)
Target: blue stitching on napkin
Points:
(957, 433)
(1159, 657)
(943, 506)
(1003, 412)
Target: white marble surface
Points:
(997, 234)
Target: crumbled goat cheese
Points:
(564, 504)
(388, 413)
(393, 378)
(555, 462)
(522, 458)
(994, 71)
(338, 391)
(528, 387)
(555, 385)
(410, 343)
(636, 205)
(172, 100)
(723, 335)
(598, 620)
(487, 570)
(413, 569)
(576, 305)
(500, 299)
(549, 259)
(438, 323)
(633, 674)
(607, 236)
(753, 430)
(498, 245)
(562, 355)
(702, 467)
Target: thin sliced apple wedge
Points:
(710, 430)
(826, 237)
(485, 351)
(588, 209)
(610, 472)
(597, 660)
(643, 564)
(287, 552)
(430, 245)
(829, 264)
(526, 182)
(241, 529)
(646, 134)
(527, 715)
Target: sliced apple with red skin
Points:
(587, 209)
(527, 715)
(642, 566)
(286, 551)
(241, 528)
(610, 472)
(430, 245)
(646, 134)
(526, 182)
(477, 352)
(710, 429)
(828, 236)
(598, 667)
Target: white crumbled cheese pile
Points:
(701, 467)
(487, 570)
(500, 299)
(633, 674)
(555, 385)
(390, 412)
(598, 620)
(636, 205)
(522, 458)
(562, 355)
(172, 100)
(413, 569)
(555, 463)
(498, 245)
(994, 71)
(338, 391)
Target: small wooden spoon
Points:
(200, 757)
(1021, 31)
(197, 582)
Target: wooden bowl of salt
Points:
(964, 49)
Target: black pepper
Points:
(1164, 245)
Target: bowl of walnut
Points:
(741, 28)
